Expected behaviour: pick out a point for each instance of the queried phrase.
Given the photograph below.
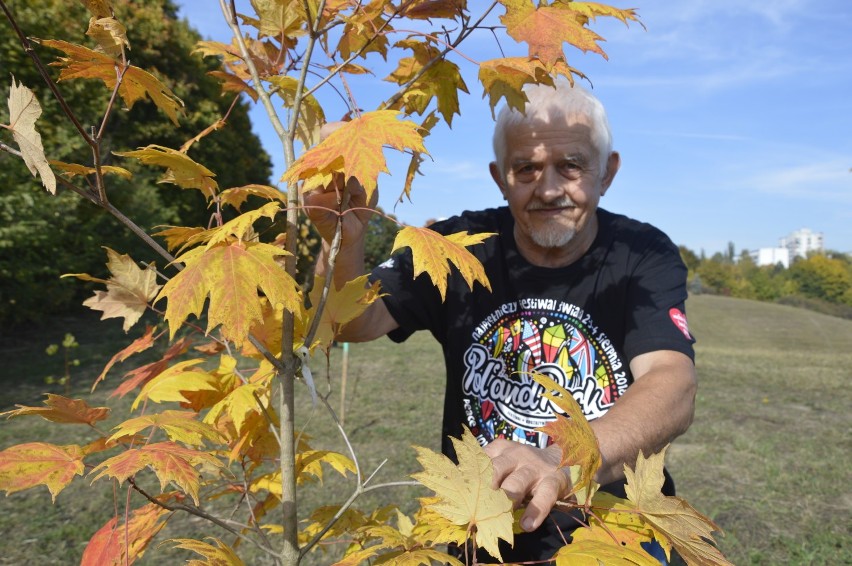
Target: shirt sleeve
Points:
(414, 304)
(657, 295)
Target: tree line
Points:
(821, 281)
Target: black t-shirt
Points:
(581, 325)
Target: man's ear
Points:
(498, 178)
(613, 163)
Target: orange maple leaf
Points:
(433, 254)
(573, 435)
(145, 373)
(180, 426)
(38, 463)
(171, 462)
(545, 28)
(675, 520)
(83, 63)
(61, 409)
(108, 546)
(230, 274)
(139, 345)
(355, 150)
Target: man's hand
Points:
(531, 475)
(322, 205)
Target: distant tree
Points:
(821, 277)
(37, 229)
(689, 258)
(379, 240)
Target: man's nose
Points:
(550, 185)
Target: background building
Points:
(800, 242)
(771, 256)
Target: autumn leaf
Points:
(241, 226)
(182, 236)
(230, 274)
(129, 289)
(171, 462)
(38, 463)
(236, 196)
(280, 19)
(311, 115)
(108, 546)
(342, 305)
(429, 122)
(61, 409)
(171, 384)
(219, 555)
(359, 35)
(24, 111)
(180, 168)
(109, 34)
(441, 80)
(139, 345)
(433, 254)
(465, 492)
(143, 374)
(73, 169)
(180, 426)
(573, 435)
(544, 28)
(136, 84)
(595, 552)
(239, 404)
(98, 8)
(506, 78)
(355, 150)
(689, 532)
(428, 9)
(233, 83)
(615, 521)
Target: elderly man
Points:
(593, 299)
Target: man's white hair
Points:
(548, 104)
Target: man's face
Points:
(553, 181)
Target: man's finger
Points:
(545, 496)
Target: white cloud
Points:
(826, 181)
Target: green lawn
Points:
(768, 456)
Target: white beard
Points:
(552, 236)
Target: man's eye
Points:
(525, 170)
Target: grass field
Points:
(768, 456)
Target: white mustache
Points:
(561, 202)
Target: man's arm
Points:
(657, 408)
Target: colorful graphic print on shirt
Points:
(546, 336)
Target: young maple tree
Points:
(230, 429)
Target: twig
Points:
(9, 149)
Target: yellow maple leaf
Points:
(230, 274)
(180, 426)
(433, 254)
(429, 122)
(311, 115)
(241, 227)
(182, 236)
(688, 531)
(24, 111)
(359, 33)
(38, 463)
(110, 35)
(129, 289)
(171, 384)
(219, 555)
(573, 435)
(614, 520)
(136, 84)
(341, 306)
(61, 409)
(442, 80)
(98, 8)
(239, 404)
(236, 196)
(180, 168)
(72, 169)
(171, 462)
(596, 552)
(506, 78)
(355, 150)
(428, 9)
(465, 494)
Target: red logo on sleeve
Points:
(679, 320)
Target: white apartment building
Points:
(771, 256)
(800, 242)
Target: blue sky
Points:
(733, 119)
